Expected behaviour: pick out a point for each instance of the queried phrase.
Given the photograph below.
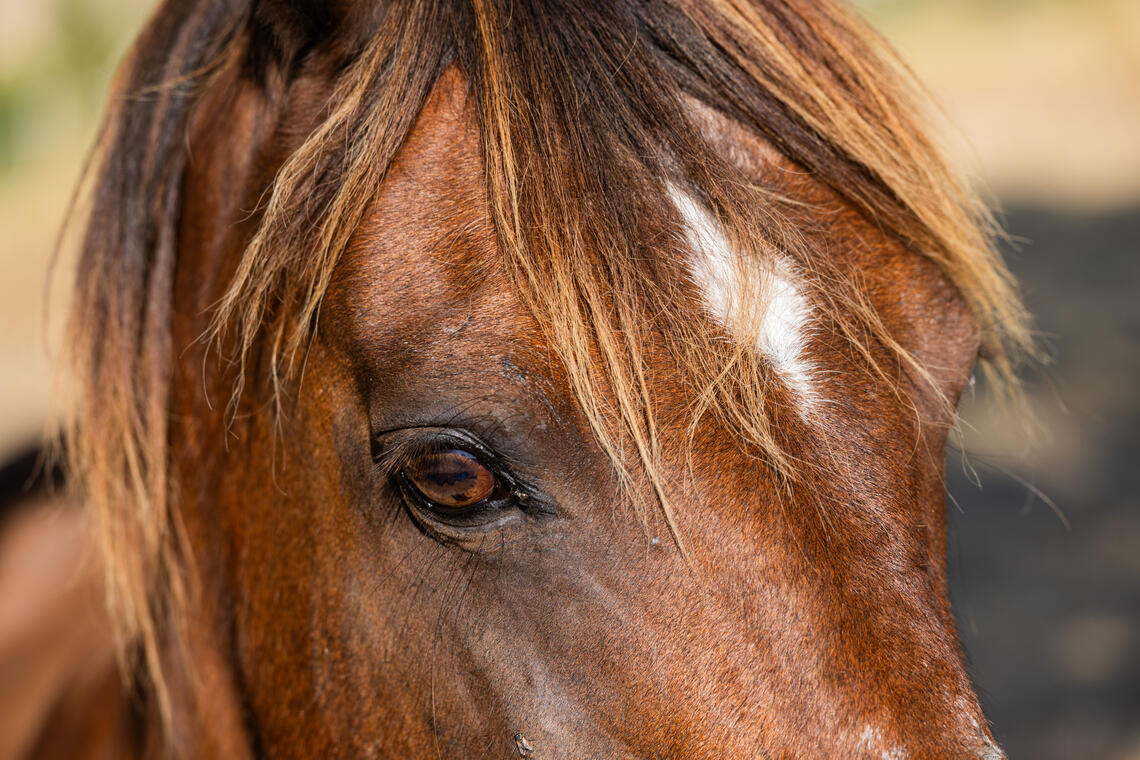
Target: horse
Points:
(527, 378)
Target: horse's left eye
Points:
(451, 481)
(454, 486)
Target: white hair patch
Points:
(871, 743)
(782, 311)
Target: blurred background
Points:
(1045, 522)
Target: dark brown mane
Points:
(581, 109)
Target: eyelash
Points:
(400, 454)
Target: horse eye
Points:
(450, 480)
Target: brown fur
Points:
(372, 243)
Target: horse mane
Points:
(580, 108)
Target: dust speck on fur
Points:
(524, 747)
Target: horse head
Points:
(541, 379)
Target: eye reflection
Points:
(452, 479)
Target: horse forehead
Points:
(428, 237)
(423, 274)
(437, 175)
(908, 292)
(428, 232)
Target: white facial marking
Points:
(782, 311)
(871, 742)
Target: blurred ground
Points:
(1047, 97)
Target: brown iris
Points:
(452, 479)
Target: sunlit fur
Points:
(582, 117)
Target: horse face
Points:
(428, 553)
